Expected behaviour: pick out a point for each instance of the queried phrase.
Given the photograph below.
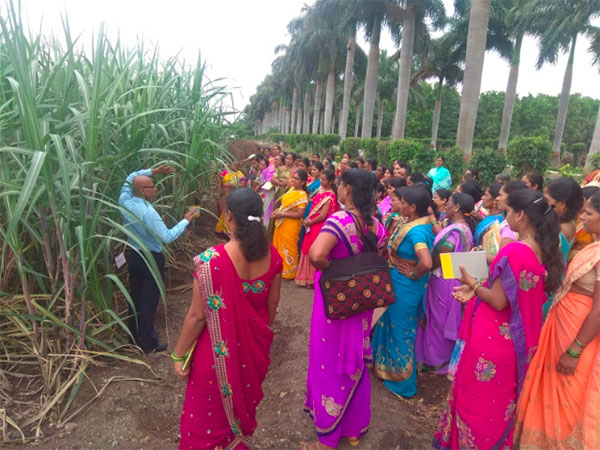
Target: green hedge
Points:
(455, 162)
(529, 154)
(318, 143)
(490, 162)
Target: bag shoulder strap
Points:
(361, 234)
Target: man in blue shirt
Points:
(140, 217)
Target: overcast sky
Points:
(237, 39)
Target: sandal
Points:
(354, 441)
(311, 446)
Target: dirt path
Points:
(139, 409)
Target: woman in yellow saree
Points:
(288, 222)
(229, 181)
(559, 405)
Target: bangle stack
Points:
(573, 354)
(176, 358)
(475, 285)
(579, 344)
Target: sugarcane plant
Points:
(72, 126)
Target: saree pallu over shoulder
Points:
(401, 231)
(239, 345)
(466, 237)
(557, 411)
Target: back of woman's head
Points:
(443, 193)
(545, 221)
(306, 161)
(472, 188)
(363, 191)
(396, 182)
(418, 196)
(567, 190)
(536, 180)
(588, 191)
(494, 189)
(466, 204)
(417, 177)
(514, 185)
(246, 207)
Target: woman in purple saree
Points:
(443, 313)
(338, 390)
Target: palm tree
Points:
(373, 15)
(469, 101)
(413, 15)
(443, 61)
(595, 50)
(386, 84)
(518, 22)
(558, 24)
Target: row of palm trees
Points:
(323, 50)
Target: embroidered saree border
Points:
(214, 329)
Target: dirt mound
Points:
(242, 149)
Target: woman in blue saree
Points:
(440, 176)
(489, 201)
(394, 335)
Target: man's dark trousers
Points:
(145, 294)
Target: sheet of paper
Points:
(474, 263)
(120, 260)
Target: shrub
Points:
(383, 154)
(595, 161)
(423, 159)
(351, 146)
(402, 150)
(529, 154)
(578, 150)
(490, 163)
(370, 147)
(455, 162)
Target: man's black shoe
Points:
(161, 347)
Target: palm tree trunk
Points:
(298, 128)
(561, 117)
(371, 81)
(437, 111)
(404, 65)
(317, 107)
(306, 122)
(350, 49)
(511, 95)
(356, 118)
(329, 98)
(469, 101)
(595, 145)
(379, 118)
(293, 114)
(322, 124)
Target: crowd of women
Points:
(521, 348)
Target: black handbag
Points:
(356, 284)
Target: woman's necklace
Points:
(523, 238)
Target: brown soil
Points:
(140, 407)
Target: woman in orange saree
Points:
(288, 222)
(560, 401)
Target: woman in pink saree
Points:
(500, 329)
(236, 291)
(338, 390)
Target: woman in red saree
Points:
(324, 204)
(236, 291)
(500, 329)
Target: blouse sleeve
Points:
(418, 241)
(452, 240)
(332, 226)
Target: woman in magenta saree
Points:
(338, 390)
(500, 330)
(232, 335)
(443, 313)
